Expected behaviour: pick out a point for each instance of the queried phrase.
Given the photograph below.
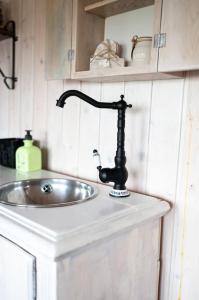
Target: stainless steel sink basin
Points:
(46, 192)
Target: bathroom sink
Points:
(46, 192)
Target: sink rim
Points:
(51, 205)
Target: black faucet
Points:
(119, 174)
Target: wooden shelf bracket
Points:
(9, 31)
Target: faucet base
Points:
(119, 193)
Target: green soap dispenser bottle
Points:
(28, 157)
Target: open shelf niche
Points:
(118, 20)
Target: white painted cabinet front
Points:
(124, 267)
(121, 267)
(17, 272)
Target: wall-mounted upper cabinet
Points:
(58, 39)
(72, 41)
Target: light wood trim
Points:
(99, 4)
(124, 74)
(109, 8)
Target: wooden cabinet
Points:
(17, 272)
(180, 22)
(72, 41)
(123, 266)
(101, 249)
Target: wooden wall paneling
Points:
(182, 44)
(54, 127)
(190, 265)
(165, 129)
(137, 132)
(39, 83)
(180, 206)
(188, 243)
(108, 123)
(15, 95)
(70, 130)
(58, 38)
(27, 64)
(89, 132)
(5, 65)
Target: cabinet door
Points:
(17, 272)
(180, 22)
(58, 39)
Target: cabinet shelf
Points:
(107, 8)
(124, 74)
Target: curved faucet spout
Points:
(61, 102)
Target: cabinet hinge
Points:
(159, 40)
(71, 54)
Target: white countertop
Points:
(57, 231)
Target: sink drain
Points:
(47, 188)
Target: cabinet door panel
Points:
(58, 38)
(17, 272)
(180, 22)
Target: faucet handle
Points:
(97, 159)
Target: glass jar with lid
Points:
(141, 50)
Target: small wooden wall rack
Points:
(7, 32)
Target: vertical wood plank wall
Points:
(162, 138)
